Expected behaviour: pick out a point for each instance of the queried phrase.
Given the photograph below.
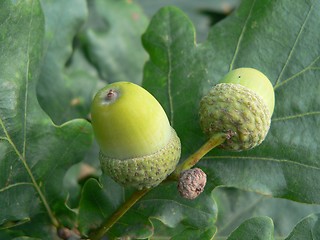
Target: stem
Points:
(213, 142)
(104, 228)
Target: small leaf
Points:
(67, 82)
(195, 234)
(31, 230)
(235, 206)
(133, 226)
(98, 202)
(307, 229)
(198, 11)
(163, 205)
(112, 39)
(254, 228)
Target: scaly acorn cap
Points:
(240, 105)
(138, 147)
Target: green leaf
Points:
(235, 206)
(67, 82)
(98, 202)
(307, 229)
(34, 153)
(254, 228)
(173, 72)
(133, 226)
(165, 204)
(5, 236)
(162, 212)
(31, 230)
(112, 39)
(25, 238)
(203, 13)
(286, 49)
(195, 234)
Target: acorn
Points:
(138, 147)
(240, 105)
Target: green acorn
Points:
(240, 105)
(138, 147)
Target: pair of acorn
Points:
(139, 148)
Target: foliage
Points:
(55, 54)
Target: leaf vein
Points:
(309, 67)
(241, 36)
(168, 45)
(295, 116)
(8, 138)
(264, 159)
(15, 185)
(294, 46)
(26, 93)
(169, 89)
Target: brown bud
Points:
(64, 233)
(192, 183)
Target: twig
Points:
(104, 228)
(213, 142)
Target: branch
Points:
(104, 228)
(213, 142)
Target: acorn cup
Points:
(138, 147)
(240, 105)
